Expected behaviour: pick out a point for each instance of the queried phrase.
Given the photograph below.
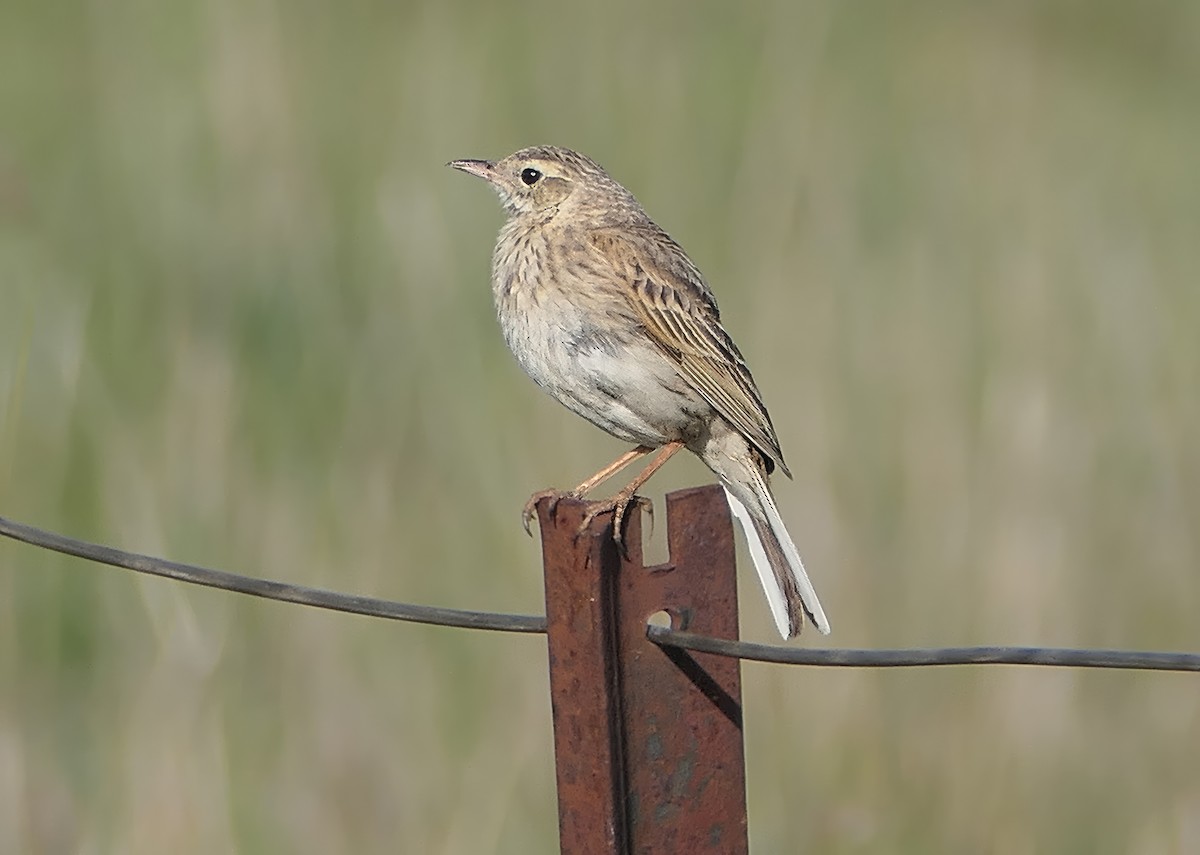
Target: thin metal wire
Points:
(663, 636)
(268, 589)
(1062, 657)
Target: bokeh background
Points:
(245, 322)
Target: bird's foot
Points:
(619, 503)
(555, 496)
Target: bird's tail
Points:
(789, 592)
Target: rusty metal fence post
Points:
(647, 740)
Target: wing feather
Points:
(679, 311)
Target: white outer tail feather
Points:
(758, 554)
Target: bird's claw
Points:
(618, 504)
(530, 509)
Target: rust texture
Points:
(648, 741)
(581, 637)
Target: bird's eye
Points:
(530, 175)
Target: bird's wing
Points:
(680, 313)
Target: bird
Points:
(609, 315)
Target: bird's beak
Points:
(484, 169)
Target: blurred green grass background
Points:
(245, 322)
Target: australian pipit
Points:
(608, 314)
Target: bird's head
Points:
(543, 180)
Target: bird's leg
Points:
(610, 470)
(627, 495)
(555, 496)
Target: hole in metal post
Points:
(669, 619)
(660, 618)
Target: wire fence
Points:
(268, 589)
(662, 636)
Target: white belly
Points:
(621, 383)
